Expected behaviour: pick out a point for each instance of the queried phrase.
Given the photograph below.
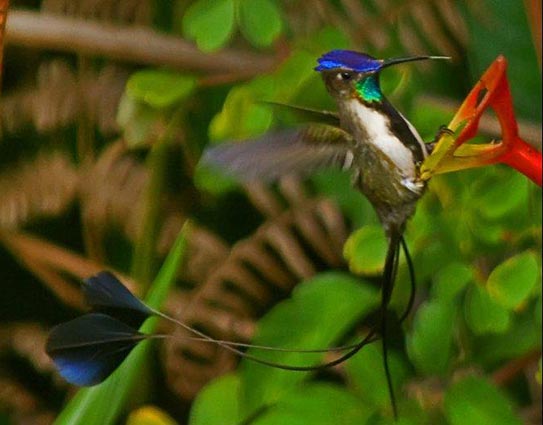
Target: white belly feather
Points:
(380, 136)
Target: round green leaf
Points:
(159, 88)
(317, 404)
(259, 21)
(430, 344)
(495, 201)
(214, 181)
(210, 23)
(242, 116)
(451, 280)
(475, 401)
(318, 313)
(366, 374)
(217, 403)
(511, 282)
(538, 310)
(138, 121)
(483, 314)
(365, 250)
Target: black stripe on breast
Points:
(400, 129)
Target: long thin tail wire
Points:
(388, 284)
(353, 348)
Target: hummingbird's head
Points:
(349, 74)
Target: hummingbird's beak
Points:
(395, 61)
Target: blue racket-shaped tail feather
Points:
(88, 349)
(106, 294)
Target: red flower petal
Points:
(491, 91)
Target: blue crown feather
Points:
(348, 59)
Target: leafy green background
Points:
(475, 238)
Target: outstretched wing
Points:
(297, 151)
(305, 114)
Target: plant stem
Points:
(144, 256)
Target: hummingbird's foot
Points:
(443, 129)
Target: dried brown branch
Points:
(289, 247)
(125, 11)
(129, 44)
(4, 6)
(513, 368)
(54, 265)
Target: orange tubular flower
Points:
(451, 153)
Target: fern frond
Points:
(303, 239)
(43, 187)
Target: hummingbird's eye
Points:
(345, 76)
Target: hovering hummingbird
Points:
(367, 136)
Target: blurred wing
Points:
(298, 151)
(88, 349)
(308, 114)
(106, 294)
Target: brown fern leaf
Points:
(22, 406)
(111, 195)
(205, 251)
(260, 270)
(111, 190)
(26, 340)
(42, 187)
(60, 97)
(18, 394)
(423, 26)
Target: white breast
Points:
(380, 136)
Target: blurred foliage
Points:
(115, 149)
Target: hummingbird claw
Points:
(443, 129)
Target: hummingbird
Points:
(368, 137)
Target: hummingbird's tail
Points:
(389, 276)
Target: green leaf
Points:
(317, 404)
(505, 31)
(493, 349)
(365, 250)
(316, 316)
(103, 403)
(451, 280)
(217, 403)
(430, 343)
(511, 282)
(483, 314)
(242, 115)
(337, 185)
(494, 201)
(475, 401)
(139, 122)
(259, 21)
(210, 23)
(216, 182)
(366, 375)
(160, 88)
